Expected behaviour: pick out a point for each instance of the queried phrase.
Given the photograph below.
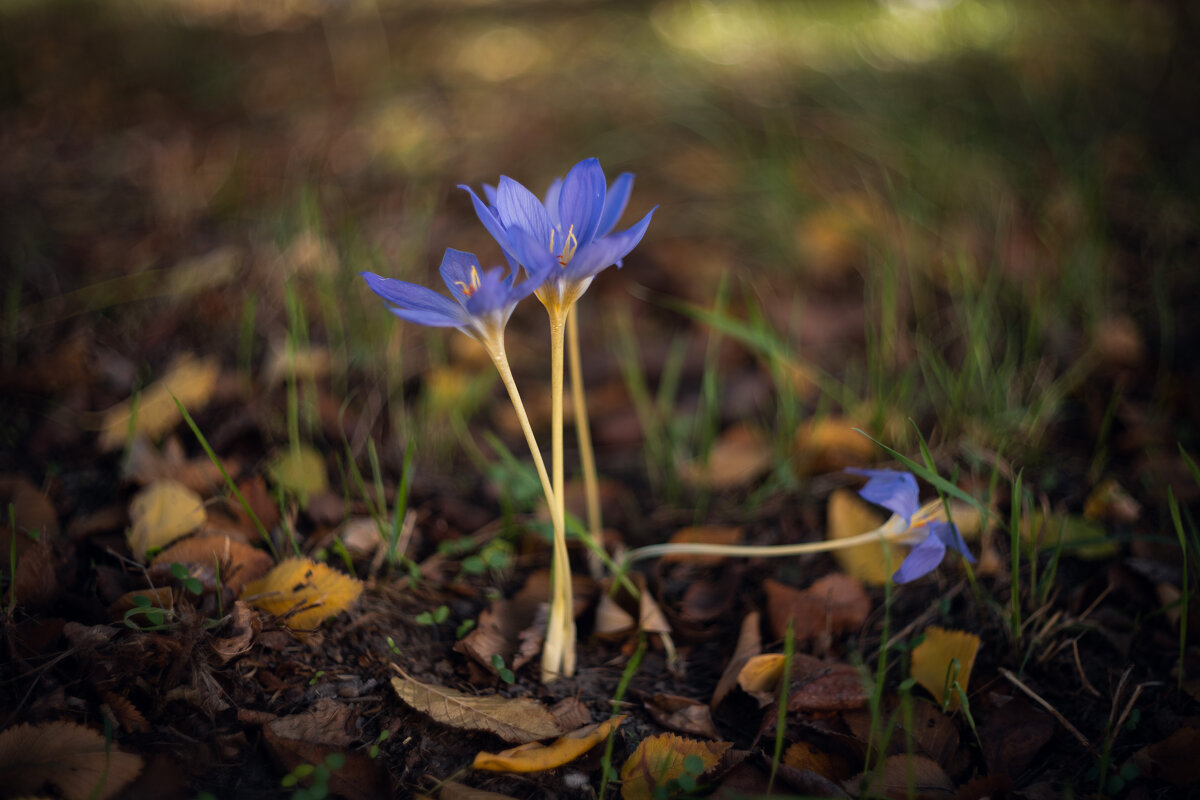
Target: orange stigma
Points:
(470, 289)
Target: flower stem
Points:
(558, 654)
(894, 529)
(587, 456)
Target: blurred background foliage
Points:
(978, 215)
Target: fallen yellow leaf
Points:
(761, 673)
(161, 513)
(78, 761)
(153, 411)
(516, 719)
(660, 759)
(534, 757)
(302, 591)
(739, 457)
(830, 444)
(943, 659)
(300, 471)
(849, 515)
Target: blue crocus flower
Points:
(483, 300)
(897, 492)
(568, 235)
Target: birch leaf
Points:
(161, 513)
(534, 757)
(660, 759)
(154, 412)
(943, 659)
(516, 720)
(849, 516)
(303, 591)
(300, 471)
(74, 759)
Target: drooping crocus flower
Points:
(485, 300)
(570, 230)
(897, 492)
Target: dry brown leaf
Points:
(534, 757)
(704, 534)
(849, 515)
(831, 444)
(659, 759)
(943, 659)
(161, 513)
(740, 456)
(1110, 501)
(612, 621)
(310, 737)
(126, 713)
(452, 790)
(682, 714)
(749, 644)
(239, 563)
(78, 761)
(807, 756)
(1173, 759)
(159, 598)
(516, 720)
(835, 604)
(303, 592)
(909, 777)
(244, 625)
(190, 380)
(818, 685)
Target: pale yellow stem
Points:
(587, 456)
(558, 654)
(894, 529)
(500, 360)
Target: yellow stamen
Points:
(569, 247)
(469, 290)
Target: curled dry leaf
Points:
(239, 563)
(942, 660)
(303, 592)
(153, 411)
(161, 513)
(515, 720)
(453, 790)
(849, 515)
(310, 737)
(761, 673)
(749, 644)
(682, 714)
(534, 757)
(243, 627)
(1173, 759)
(807, 756)
(660, 759)
(77, 761)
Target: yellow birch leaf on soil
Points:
(161, 513)
(659, 759)
(848, 515)
(517, 720)
(300, 471)
(933, 663)
(303, 591)
(78, 761)
(534, 757)
(154, 412)
(830, 444)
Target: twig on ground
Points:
(1015, 681)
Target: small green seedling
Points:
(504, 672)
(181, 574)
(436, 617)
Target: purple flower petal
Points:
(602, 253)
(922, 560)
(950, 536)
(460, 270)
(494, 226)
(581, 201)
(894, 490)
(518, 207)
(614, 203)
(433, 308)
